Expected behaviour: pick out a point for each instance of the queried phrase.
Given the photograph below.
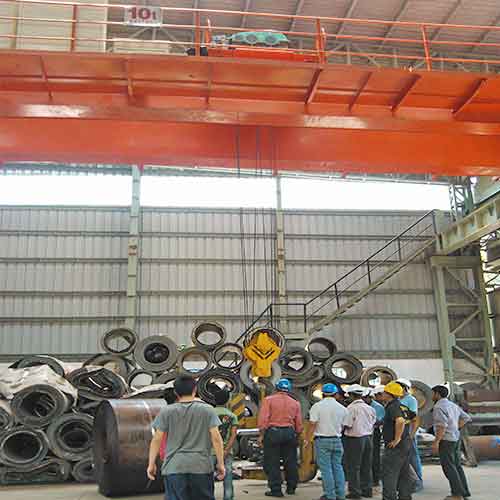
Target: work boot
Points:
(367, 494)
(454, 497)
(290, 491)
(274, 494)
(353, 496)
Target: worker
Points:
(448, 419)
(410, 402)
(228, 429)
(191, 428)
(280, 423)
(358, 431)
(327, 420)
(371, 399)
(397, 480)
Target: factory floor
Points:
(484, 482)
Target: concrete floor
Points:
(484, 482)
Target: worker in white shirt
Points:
(358, 431)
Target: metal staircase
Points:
(332, 302)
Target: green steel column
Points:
(280, 259)
(133, 249)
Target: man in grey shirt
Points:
(191, 428)
(448, 419)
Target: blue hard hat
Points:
(284, 385)
(330, 389)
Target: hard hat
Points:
(284, 385)
(405, 382)
(394, 389)
(368, 392)
(377, 390)
(330, 389)
(356, 389)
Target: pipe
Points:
(51, 470)
(119, 336)
(70, 436)
(23, 448)
(156, 354)
(83, 471)
(122, 435)
(38, 405)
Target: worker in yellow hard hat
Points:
(397, 480)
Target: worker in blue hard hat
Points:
(327, 419)
(280, 423)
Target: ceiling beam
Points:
(298, 10)
(484, 36)
(446, 20)
(347, 14)
(246, 8)
(392, 27)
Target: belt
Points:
(326, 437)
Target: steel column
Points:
(133, 248)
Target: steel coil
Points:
(51, 470)
(119, 336)
(87, 406)
(155, 391)
(208, 335)
(70, 436)
(111, 362)
(343, 369)
(6, 416)
(98, 383)
(166, 378)
(295, 362)
(38, 405)
(122, 435)
(377, 375)
(194, 361)
(84, 471)
(23, 447)
(321, 348)
(228, 356)
(423, 394)
(29, 361)
(314, 393)
(140, 375)
(249, 383)
(156, 354)
(313, 376)
(216, 380)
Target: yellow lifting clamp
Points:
(261, 351)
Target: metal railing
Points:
(395, 251)
(418, 39)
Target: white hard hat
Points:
(405, 382)
(356, 389)
(377, 390)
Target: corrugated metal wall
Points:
(63, 274)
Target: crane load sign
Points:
(142, 15)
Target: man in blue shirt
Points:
(410, 402)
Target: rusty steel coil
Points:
(70, 436)
(423, 394)
(228, 356)
(377, 375)
(157, 353)
(194, 361)
(343, 368)
(110, 362)
(321, 348)
(23, 447)
(50, 470)
(122, 435)
(208, 335)
(30, 361)
(84, 471)
(118, 337)
(39, 404)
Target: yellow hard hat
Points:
(395, 389)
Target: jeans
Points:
(416, 463)
(358, 460)
(280, 443)
(189, 487)
(377, 439)
(396, 475)
(449, 455)
(228, 478)
(329, 453)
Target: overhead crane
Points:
(246, 112)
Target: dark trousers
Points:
(396, 475)
(377, 441)
(449, 455)
(189, 487)
(280, 443)
(358, 456)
